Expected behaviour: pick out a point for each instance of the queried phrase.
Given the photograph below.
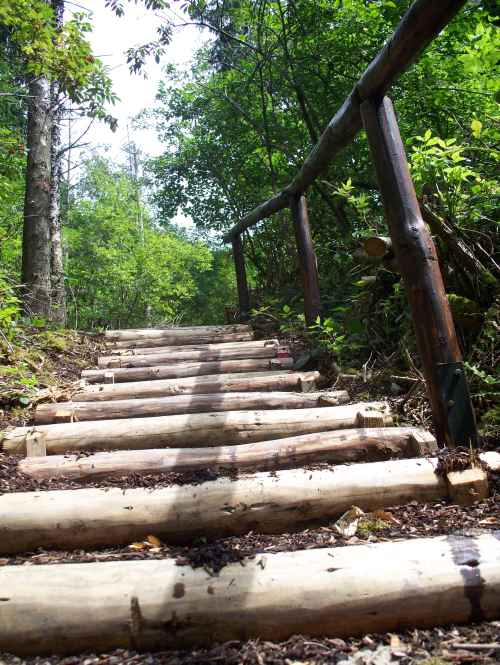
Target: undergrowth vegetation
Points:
(37, 362)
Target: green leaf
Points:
(476, 127)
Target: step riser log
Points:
(184, 331)
(336, 592)
(62, 412)
(171, 340)
(260, 502)
(69, 519)
(195, 430)
(151, 359)
(184, 348)
(182, 370)
(218, 383)
(365, 445)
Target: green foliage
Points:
(335, 337)
(442, 169)
(63, 55)
(9, 309)
(125, 271)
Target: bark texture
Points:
(58, 293)
(36, 236)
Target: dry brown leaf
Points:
(489, 520)
(385, 516)
(153, 541)
(137, 546)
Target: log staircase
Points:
(191, 399)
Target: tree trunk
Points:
(58, 294)
(66, 412)
(36, 236)
(181, 370)
(200, 429)
(217, 383)
(353, 445)
(70, 519)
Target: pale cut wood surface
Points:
(184, 348)
(68, 519)
(184, 369)
(167, 339)
(162, 406)
(168, 357)
(216, 383)
(354, 445)
(179, 331)
(197, 429)
(336, 592)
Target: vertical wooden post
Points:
(241, 277)
(307, 258)
(416, 255)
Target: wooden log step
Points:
(181, 370)
(68, 519)
(352, 445)
(181, 348)
(167, 338)
(180, 331)
(217, 383)
(335, 592)
(68, 412)
(198, 429)
(168, 357)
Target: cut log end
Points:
(424, 443)
(468, 486)
(377, 246)
(374, 419)
(35, 444)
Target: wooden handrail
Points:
(419, 26)
(452, 409)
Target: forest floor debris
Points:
(437, 646)
(41, 365)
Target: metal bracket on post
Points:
(455, 395)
